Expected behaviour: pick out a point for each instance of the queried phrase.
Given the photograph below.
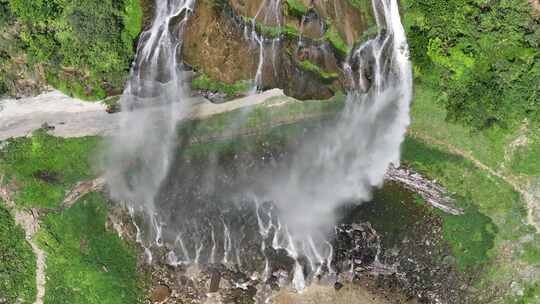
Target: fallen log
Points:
(432, 192)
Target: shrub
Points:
(204, 82)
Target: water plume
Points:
(349, 159)
(153, 103)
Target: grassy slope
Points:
(86, 263)
(509, 249)
(44, 167)
(429, 117)
(17, 262)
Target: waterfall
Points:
(268, 14)
(294, 211)
(352, 157)
(153, 103)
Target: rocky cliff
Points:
(304, 42)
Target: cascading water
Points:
(268, 14)
(293, 212)
(351, 158)
(153, 103)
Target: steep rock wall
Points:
(305, 42)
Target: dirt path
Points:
(29, 221)
(532, 202)
(71, 117)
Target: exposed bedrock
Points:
(304, 42)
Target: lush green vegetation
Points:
(526, 158)
(296, 8)
(85, 47)
(275, 31)
(43, 167)
(531, 295)
(336, 41)
(17, 262)
(309, 66)
(429, 117)
(495, 215)
(205, 83)
(484, 56)
(87, 264)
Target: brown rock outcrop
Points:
(216, 43)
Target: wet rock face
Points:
(349, 20)
(217, 43)
(148, 7)
(357, 248)
(285, 72)
(411, 254)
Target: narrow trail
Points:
(29, 221)
(532, 202)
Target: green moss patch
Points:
(17, 262)
(205, 83)
(336, 41)
(275, 31)
(44, 167)
(471, 237)
(295, 8)
(309, 66)
(87, 264)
